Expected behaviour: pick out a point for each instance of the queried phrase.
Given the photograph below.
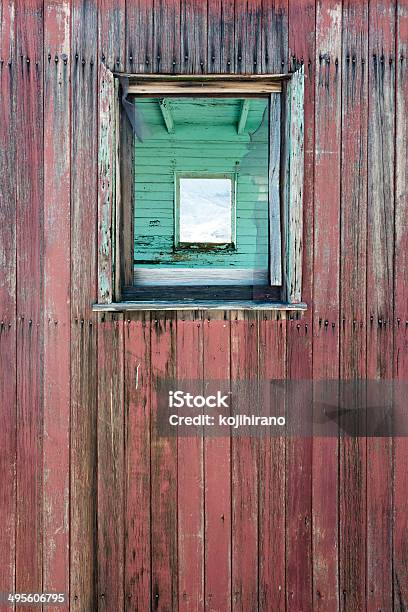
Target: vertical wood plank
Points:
(83, 557)
(221, 52)
(190, 476)
(139, 36)
(110, 435)
(326, 294)
(57, 273)
(294, 177)
(111, 30)
(302, 16)
(107, 150)
(274, 201)
(166, 36)
(137, 462)
(111, 53)
(217, 474)
(8, 422)
(400, 462)
(352, 451)
(275, 35)
(244, 459)
(193, 36)
(248, 37)
(163, 501)
(380, 285)
(272, 475)
(30, 192)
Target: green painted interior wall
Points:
(205, 139)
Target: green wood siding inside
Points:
(204, 138)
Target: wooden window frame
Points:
(116, 181)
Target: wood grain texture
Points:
(248, 37)
(326, 294)
(193, 36)
(294, 178)
(272, 540)
(275, 35)
(57, 315)
(400, 447)
(110, 436)
(221, 48)
(355, 217)
(352, 451)
(274, 204)
(83, 555)
(190, 470)
(107, 149)
(137, 462)
(166, 37)
(164, 585)
(301, 36)
(217, 474)
(111, 31)
(29, 269)
(380, 284)
(139, 35)
(244, 463)
(8, 422)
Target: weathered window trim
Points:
(116, 193)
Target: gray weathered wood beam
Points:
(243, 116)
(167, 116)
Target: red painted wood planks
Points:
(193, 36)
(139, 36)
(166, 37)
(302, 45)
(352, 457)
(275, 32)
(29, 269)
(110, 436)
(244, 463)
(217, 474)
(400, 459)
(8, 422)
(137, 462)
(111, 30)
(380, 284)
(83, 555)
(272, 475)
(220, 36)
(326, 294)
(248, 37)
(190, 470)
(56, 317)
(163, 468)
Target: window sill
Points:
(204, 305)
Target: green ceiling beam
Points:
(243, 116)
(167, 116)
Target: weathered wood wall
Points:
(92, 501)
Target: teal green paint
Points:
(204, 139)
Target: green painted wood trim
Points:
(167, 116)
(243, 116)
